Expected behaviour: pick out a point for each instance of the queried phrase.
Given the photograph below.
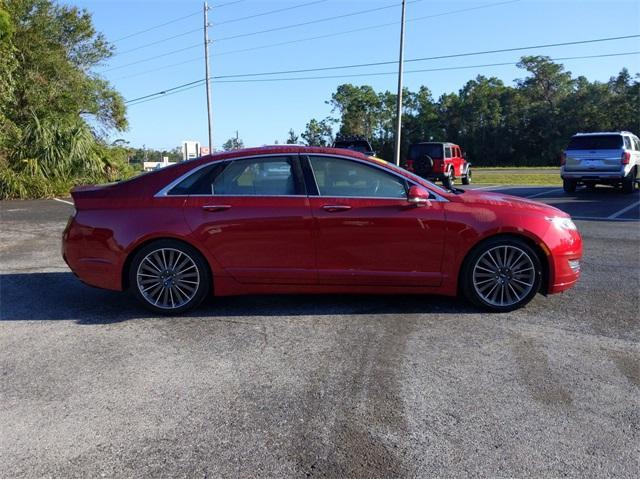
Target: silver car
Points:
(606, 158)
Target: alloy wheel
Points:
(504, 275)
(168, 278)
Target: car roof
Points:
(597, 133)
(445, 143)
(284, 150)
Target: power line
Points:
(194, 84)
(353, 75)
(450, 12)
(140, 47)
(311, 22)
(175, 20)
(439, 57)
(270, 12)
(164, 40)
(145, 60)
(370, 27)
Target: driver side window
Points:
(338, 177)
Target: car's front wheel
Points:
(502, 274)
(169, 277)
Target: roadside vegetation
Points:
(519, 178)
(54, 112)
(526, 124)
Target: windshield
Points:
(595, 142)
(434, 150)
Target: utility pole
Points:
(396, 152)
(208, 77)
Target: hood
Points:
(474, 197)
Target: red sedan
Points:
(313, 220)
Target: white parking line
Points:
(623, 210)
(63, 201)
(542, 193)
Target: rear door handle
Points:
(214, 208)
(336, 208)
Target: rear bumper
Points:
(593, 175)
(92, 263)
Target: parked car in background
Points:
(606, 158)
(359, 144)
(313, 220)
(437, 161)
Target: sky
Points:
(263, 111)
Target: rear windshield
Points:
(356, 145)
(434, 150)
(595, 142)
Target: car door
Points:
(253, 216)
(367, 232)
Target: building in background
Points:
(156, 165)
(190, 150)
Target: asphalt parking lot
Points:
(329, 386)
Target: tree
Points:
(293, 138)
(318, 133)
(54, 110)
(233, 143)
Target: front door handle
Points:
(214, 208)
(336, 208)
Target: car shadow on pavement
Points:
(60, 296)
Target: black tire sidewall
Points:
(466, 278)
(203, 269)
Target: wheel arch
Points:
(534, 244)
(124, 273)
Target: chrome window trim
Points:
(163, 192)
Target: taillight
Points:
(563, 158)
(409, 166)
(626, 156)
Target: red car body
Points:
(309, 243)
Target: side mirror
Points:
(418, 196)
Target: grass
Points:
(524, 178)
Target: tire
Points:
(569, 186)
(449, 180)
(629, 182)
(490, 280)
(466, 179)
(155, 280)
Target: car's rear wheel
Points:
(466, 179)
(169, 277)
(629, 182)
(569, 186)
(502, 274)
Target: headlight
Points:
(563, 223)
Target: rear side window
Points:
(595, 142)
(257, 177)
(447, 152)
(627, 143)
(636, 144)
(198, 183)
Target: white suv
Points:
(607, 158)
